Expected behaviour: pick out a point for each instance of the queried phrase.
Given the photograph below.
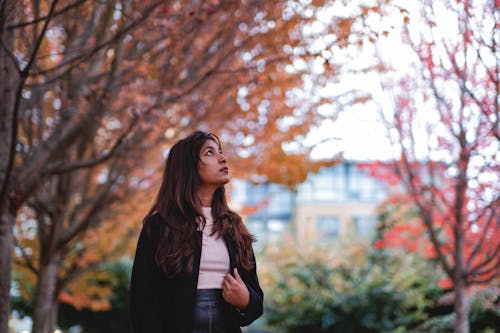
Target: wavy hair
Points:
(179, 206)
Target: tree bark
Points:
(8, 83)
(45, 303)
(6, 251)
(461, 307)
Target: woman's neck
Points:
(206, 195)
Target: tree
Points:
(445, 125)
(69, 229)
(42, 114)
(401, 229)
(95, 90)
(116, 278)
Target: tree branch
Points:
(76, 271)
(77, 60)
(48, 17)
(480, 242)
(427, 218)
(490, 258)
(483, 280)
(97, 203)
(14, 125)
(11, 55)
(61, 167)
(26, 70)
(27, 260)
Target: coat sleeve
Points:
(255, 306)
(145, 307)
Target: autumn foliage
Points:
(93, 94)
(402, 228)
(444, 124)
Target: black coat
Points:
(166, 305)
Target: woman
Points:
(194, 268)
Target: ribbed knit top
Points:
(214, 264)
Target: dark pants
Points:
(212, 313)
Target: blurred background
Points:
(362, 139)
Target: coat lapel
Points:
(232, 253)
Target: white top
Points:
(214, 263)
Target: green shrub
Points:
(317, 291)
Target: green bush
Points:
(352, 292)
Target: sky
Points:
(358, 132)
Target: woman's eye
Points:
(209, 153)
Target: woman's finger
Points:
(237, 275)
(229, 278)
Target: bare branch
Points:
(491, 257)
(48, 17)
(482, 280)
(77, 60)
(27, 260)
(98, 201)
(427, 218)
(61, 167)
(14, 125)
(27, 68)
(76, 271)
(480, 242)
(488, 270)
(11, 55)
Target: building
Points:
(338, 202)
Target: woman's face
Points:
(212, 166)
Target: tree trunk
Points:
(461, 307)
(9, 77)
(45, 309)
(6, 251)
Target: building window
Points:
(365, 225)
(327, 227)
(281, 201)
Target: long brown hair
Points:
(179, 206)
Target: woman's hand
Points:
(234, 290)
